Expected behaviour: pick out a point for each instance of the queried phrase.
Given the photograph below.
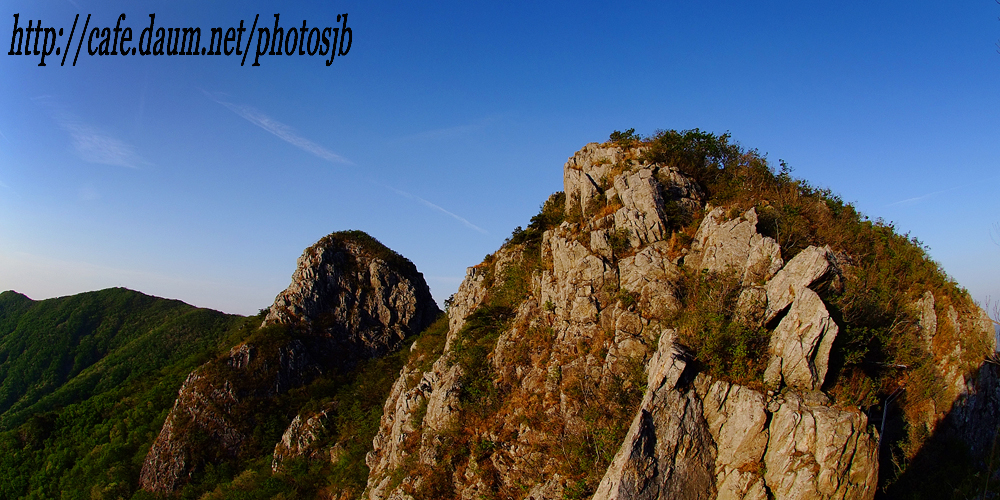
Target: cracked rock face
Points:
(642, 211)
(350, 299)
(360, 296)
(583, 172)
(721, 245)
(749, 449)
(300, 438)
(569, 300)
(802, 271)
(202, 404)
(819, 451)
(705, 438)
(800, 345)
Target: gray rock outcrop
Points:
(705, 438)
(802, 271)
(203, 406)
(819, 451)
(800, 345)
(641, 213)
(721, 245)
(573, 298)
(350, 299)
(357, 295)
(300, 438)
(583, 173)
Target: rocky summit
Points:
(577, 363)
(356, 295)
(350, 299)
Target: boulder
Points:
(800, 345)
(821, 452)
(800, 272)
(734, 245)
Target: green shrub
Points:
(607, 409)
(619, 242)
(701, 155)
(628, 299)
(549, 216)
(707, 324)
(625, 138)
(472, 345)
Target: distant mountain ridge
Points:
(58, 351)
(96, 369)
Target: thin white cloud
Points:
(91, 144)
(282, 131)
(910, 201)
(94, 146)
(439, 209)
(449, 132)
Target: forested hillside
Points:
(86, 381)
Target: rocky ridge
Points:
(350, 299)
(571, 366)
(589, 342)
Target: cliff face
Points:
(566, 371)
(350, 299)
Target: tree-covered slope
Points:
(86, 381)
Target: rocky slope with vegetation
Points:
(682, 321)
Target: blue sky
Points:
(447, 125)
